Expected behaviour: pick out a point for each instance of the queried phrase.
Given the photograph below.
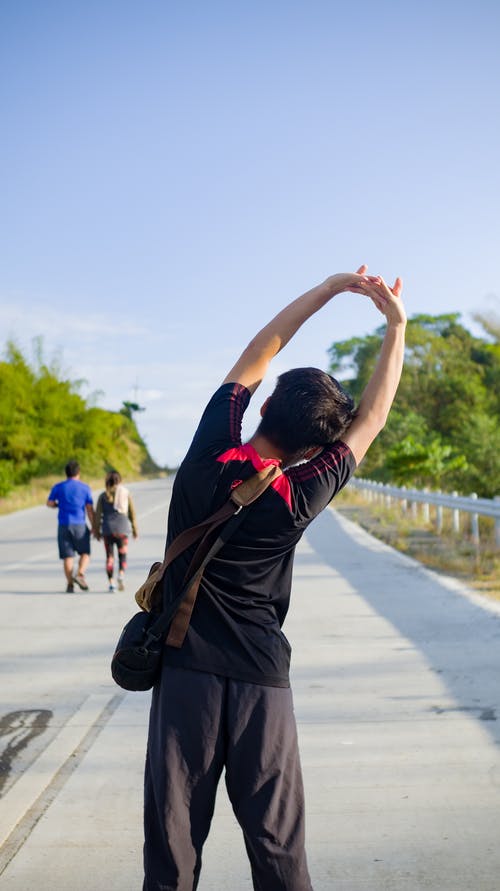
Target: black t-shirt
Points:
(235, 628)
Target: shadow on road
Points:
(17, 730)
(459, 639)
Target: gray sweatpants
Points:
(199, 724)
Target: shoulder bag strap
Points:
(181, 608)
(241, 496)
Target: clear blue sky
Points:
(173, 173)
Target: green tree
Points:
(45, 421)
(129, 408)
(426, 463)
(444, 429)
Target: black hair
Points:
(113, 478)
(72, 469)
(307, 409)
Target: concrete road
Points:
(397, 692)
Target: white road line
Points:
(35, 558)
(35, 779)
(152, 510)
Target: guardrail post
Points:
(455, 516)
(497, 523)
(404, 501)
(380, 493)
(439, 516)
(425, 510)
(474, 524)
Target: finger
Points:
(370, 290)
(377, 299)
(375, 285)
(380, 304)
(398, 287)
(366, 281)
(362, 269)
(396, 290)
(382, 289)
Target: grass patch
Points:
(450, 553)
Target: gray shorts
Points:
(73, 538)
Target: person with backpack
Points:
(114, 518)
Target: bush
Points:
(45, 422)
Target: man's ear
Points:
(264, 406)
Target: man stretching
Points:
(74, 500)
(223, 701)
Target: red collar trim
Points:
(247, 452)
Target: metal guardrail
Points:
(485, 507)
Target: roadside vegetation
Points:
(443, 433)
(478, 565)
(444, 429)
(44, 421)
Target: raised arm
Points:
(252, 365)
(380, 390)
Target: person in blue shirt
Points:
(74, 500)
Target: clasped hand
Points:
(387, 300)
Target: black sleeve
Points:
(315, 483)
(220, 424)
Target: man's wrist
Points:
(332, 286)
(396, 325)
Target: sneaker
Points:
(121, 584)
(81, 582)
(70, 588)
(112, 587)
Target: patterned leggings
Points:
(121, 542)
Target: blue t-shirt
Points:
(71, 496)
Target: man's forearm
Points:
(380, 391)
(276, 334)
(252, 364)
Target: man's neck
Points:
(265, 448)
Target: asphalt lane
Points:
(55, 646)
(396, 681)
